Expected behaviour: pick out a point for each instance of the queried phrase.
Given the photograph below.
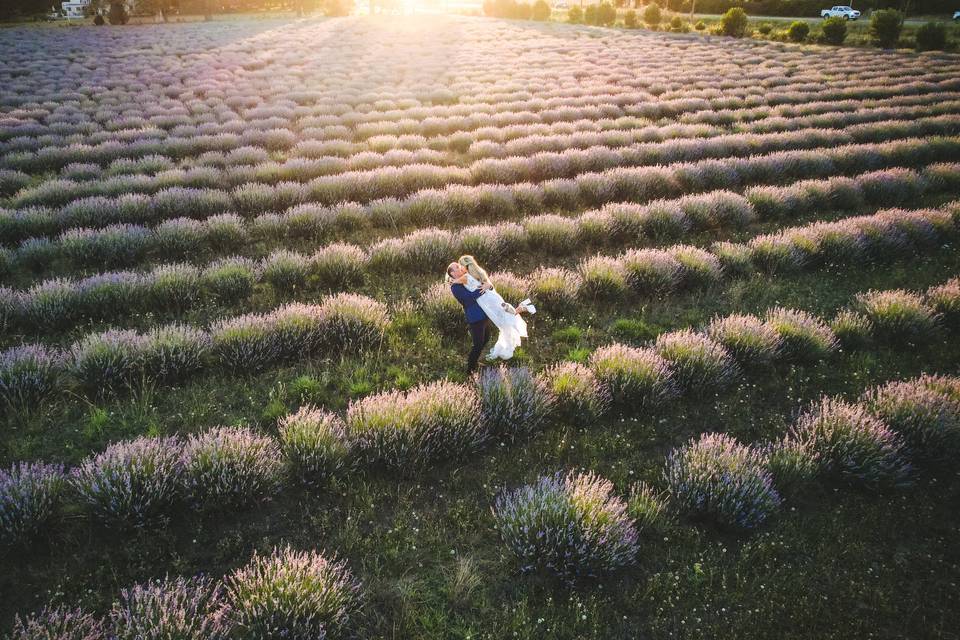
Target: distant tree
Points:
(541, 10)
(575, 15)
(734, 22)
(652, 15)
(931, 36)
(798, 31)
(590, 14)
(118, 13)
(630, 19)
(834, 30)
(606, 14)
(885, 27)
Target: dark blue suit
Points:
(477, 320)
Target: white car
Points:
(840, 11)
(956, 15)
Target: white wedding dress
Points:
(512, 326)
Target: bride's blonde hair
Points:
(474, 269)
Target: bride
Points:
(508, 319)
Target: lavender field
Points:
(232, 395)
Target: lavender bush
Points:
(59, 623)
(898, 314)
(405, 430)
(927, 420)
(945, 300)
(750, 340)
(352, 320)
(633, 376)
(804, 336)
(850, 442)
(513, 401)
(230, 465)
(29, 373)
(172, 609)
(300, 595)
(577, 392)
(314, 443)
(569, 525)
(699, 364)
(131, 482)
(30, 493)
(108, 360)
(717, 478)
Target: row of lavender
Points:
(149, 173)
(36, 148)
(58, 303)
(123, 244)
(286, 594)
(132, 482)
(119, 359)
(116, 359)
(147, 198)
(572, 525)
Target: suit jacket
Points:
(468, 299)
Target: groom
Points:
(477, 320)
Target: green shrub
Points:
(540, 11)
(590, 14)
(575, 15)
(835, 30)
(765, 28)
(700, 26)
(931, 36)
(734, 23)
(798, 31)
(651, 15)
(885, 27)
(606, 14)
(630, 19)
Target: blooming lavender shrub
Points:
(513, 401)
(650, 271)
(898, 314)
(300, 595)
(927, 420)
(59, 624)
(405, 430)
(749, 339)
(172, 609)
(577, 392)
(314, 443)
(338, 266)
(945, 300)
(554, 288)
(230, 465)
(947, 385)
(108, 360)
(353, 321)
(602, 277)
(443, 309)
(131, 482)
(569, 525)
(245, 343)
(230, 280)
(29, 495)
(805, 337)
(173, 352)
(633, 376)
(28, 373)
(698, 363)
(717, 478)
(853, 330)
(851, 443)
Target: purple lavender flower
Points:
(28, 373)
(29, 495)
(181, 608)
(59, 624)
(569, 525)
(230, 465)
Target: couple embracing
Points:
(483, 306)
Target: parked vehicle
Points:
(956, 15)
(840, 11)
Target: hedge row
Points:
(117, 359)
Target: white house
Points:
(75, 8)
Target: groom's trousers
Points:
(480, 334)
